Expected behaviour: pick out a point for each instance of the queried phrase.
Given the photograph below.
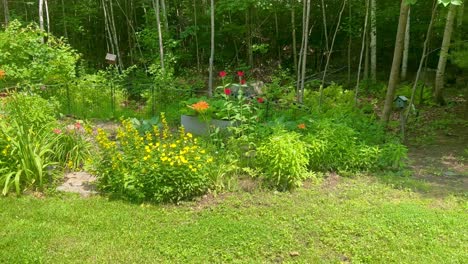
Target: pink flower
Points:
(240, 73)
(222, 74)
(57, 131)
(242, 81)
(227, 91)
(78, 125)
(260, 100)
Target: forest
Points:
(233, 131)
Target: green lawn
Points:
(359, 220)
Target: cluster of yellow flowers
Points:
(157, 150)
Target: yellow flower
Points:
(173, 145)
(189, 135)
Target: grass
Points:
(358, 220)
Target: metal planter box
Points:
(194, 125)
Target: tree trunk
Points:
(439, 83)
(423, 59)
(164, 12)
(115, 37)
(350, 37)
(278, 46)
(330, 53)
(46, 5)
(293, 26)
(363, 46)
(64, 17)
(41, 17)
(404, 64)
(304, 52)
(6, 12)
(210, 80)
(196, 33)
(158, 25)
(396, 63)
(373, 42)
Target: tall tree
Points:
(404, 64)
(304, 48)
(212, 52)
(330, 51)
(160, 38)
(6, 12)
(396, 63)
(373, 40)
(440, 74)
(293, 32)
(363, 46)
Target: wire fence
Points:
(108, 101)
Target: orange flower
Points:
(200, 106)
(301, 126)
(2, 74)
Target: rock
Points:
(78, 182)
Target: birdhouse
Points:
(111, 58)
(401, 101)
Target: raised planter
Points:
(194, 125)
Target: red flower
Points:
(222, 74)
(227, 91)
(242, 81)
(77, 125)
(57, 131)
(240, 73)
(260, 100)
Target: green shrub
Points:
(26, 60)
(32, 143)
(337, 147)
(158, 166)
(283, 159)
(25, 157)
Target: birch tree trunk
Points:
(6, 12)
(114, 35)
(210, 80)
(396, 63)
(300, 96)
(440, 74)
(350, 37)
(404, 64)
(46, 5)
(64, 17)
(158, 25)
(164, 12)
(330, 53)
(41, 17)
(373, 41)
(293, 27)
(196, 33)
(363, 47)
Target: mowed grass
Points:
(358, 220)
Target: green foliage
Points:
(26, 155)
(283, 159)
(338, 147)
(26, 60)
(157, 167)
(32, 143)
(26, 140)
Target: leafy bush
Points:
(337, 147)
(25, 59)
(283, 159)
(32, 144)
(158, 166)
(26, 155)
